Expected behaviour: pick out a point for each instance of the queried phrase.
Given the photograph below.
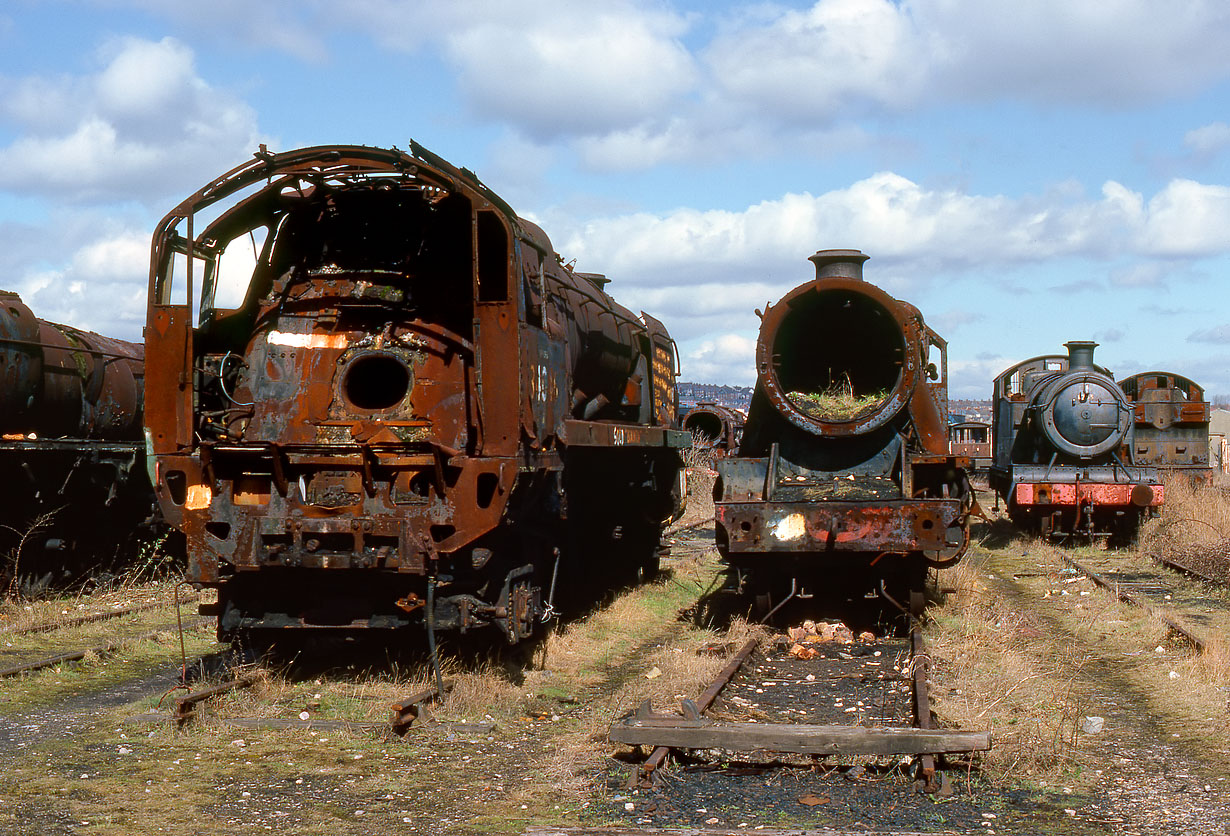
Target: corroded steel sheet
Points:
(887, 526)
(1089, 493)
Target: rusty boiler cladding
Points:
(71, 453)
(844, 473)
(379, 398)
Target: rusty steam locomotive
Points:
(1172, 424)
(71, 452)
(399, 407)
(719, 428)
(1064, 459)
(844, 477)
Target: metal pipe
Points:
(431, 633)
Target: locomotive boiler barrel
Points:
(837, 356)
(59, 381)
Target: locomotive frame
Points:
(416, 414)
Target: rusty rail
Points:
(920, 666)
(185, 706)
(1184, 569)
(48, 626)
(644, 774)
(1140, 601)
(77, 655)
(405, 711)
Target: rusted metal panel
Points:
(1090, 493)
(1171, 423)
(595, 434)
(884, 526)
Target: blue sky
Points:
(1025, 174)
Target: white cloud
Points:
(1208, 139)
(146, 126)
(1188, 218)
(553, 69)
(100, 287)
(837, 55)
(728, 358)
(565, 67)
(890, 217)
(812, 64)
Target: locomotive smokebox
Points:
(1080, 354)
(834, 355)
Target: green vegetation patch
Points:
(836, 403)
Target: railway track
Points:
(25, 664)
(1163, 594)
(93, 618)
(809, 695)
(1187, 566)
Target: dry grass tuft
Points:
(998, 671)
(1193, 529)
(836, 403)
(478, 691)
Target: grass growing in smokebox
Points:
(837, 402)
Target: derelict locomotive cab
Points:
(337, 406)
(397, 401)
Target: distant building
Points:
(1219, 431)
(735, 397)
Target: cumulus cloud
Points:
(628, 83)
(1208, 140)
(891, 217)
(100, 287)
(553, 70)
(897, 55)
(144, 126)
(728, 358)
